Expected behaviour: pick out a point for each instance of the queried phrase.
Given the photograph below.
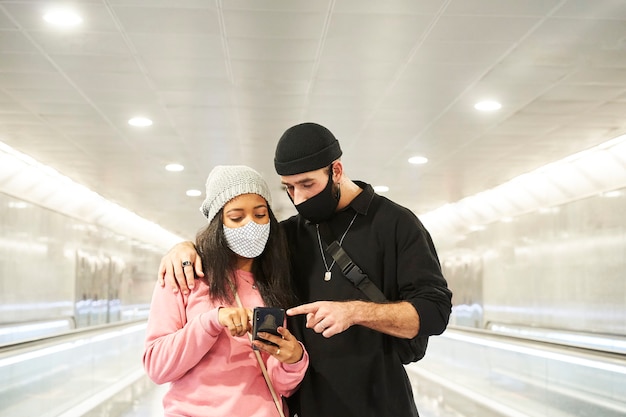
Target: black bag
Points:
(408, 350)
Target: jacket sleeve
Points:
(173, 346)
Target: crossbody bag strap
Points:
(268, 381)
(348, 268)
(408, 350)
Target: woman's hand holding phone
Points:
(269, 335)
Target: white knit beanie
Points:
(226, 182)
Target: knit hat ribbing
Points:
(226, 182)
(305, 147)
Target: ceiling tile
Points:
(64, 43)
(168, 20)
(482, 28)
(173, 47)
(273, 25)
(15, 42)
(223, 80)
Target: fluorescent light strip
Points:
(594, 342)
(39, 353)
(35, 327)
(589, 363)
(25, 178)
(591, 172)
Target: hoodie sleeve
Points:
(173, 346)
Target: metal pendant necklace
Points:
(253, 285)
(327, 274)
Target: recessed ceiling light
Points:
(417, 160)
(487, 105)
(174, 167)
(65, 18)
(381, 188)
(193, 193)
(140, 121)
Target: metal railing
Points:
(479, 373)
(71, 374)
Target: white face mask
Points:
(248, 241)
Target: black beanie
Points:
(305, 147)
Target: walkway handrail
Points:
(51, 376)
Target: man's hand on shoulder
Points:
(179, 267)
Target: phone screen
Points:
(267, 319)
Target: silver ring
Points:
(277, 352)
(239, 325)
(186, 263)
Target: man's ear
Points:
(337, 168)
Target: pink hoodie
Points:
(211, 372)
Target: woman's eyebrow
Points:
(234, 209)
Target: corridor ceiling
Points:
(222, 80)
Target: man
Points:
(353, 343)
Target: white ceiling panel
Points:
(98, 63)
(168, 20)
(482, 28)
(496, 8)
(179, 46)
(264, 49)
(598, 9)
(201, 4)
(340, 50)
(111, 81)
(15, 42)
(109, 44)
(246, 24)
(33, 81)
(376, 7)
(592, 76)
(25, 63)
(367, 27)
(222, 80)
(461, 53)
(182, 68)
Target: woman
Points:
(199, 342)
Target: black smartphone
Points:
(267, 319)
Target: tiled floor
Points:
(150, 406)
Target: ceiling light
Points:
(174, 167)
(477, 227)
(487, 105)
(381, 188)
(595, 170)
(65, 18)
(418, 160)
(193, 193)
(18, 204)
(140, 121)
(612, 194)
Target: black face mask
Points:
(321, 206)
